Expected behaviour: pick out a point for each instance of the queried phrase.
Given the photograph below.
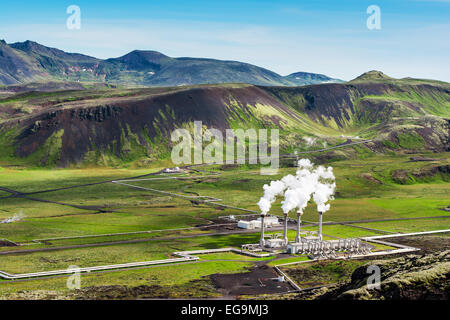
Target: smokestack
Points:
(261, 241)
(299, 222)
(309, 182)
(320, 226)
(285, 228)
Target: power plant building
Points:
(269, 221)
(253, 224)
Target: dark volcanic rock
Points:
(135, 127)
(411, 277)
(100, 127)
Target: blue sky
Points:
(322, 36)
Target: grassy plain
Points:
(367, 190)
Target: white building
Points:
(270, 221)
(172, 170)
(253, 224)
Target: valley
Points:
(83, 178)
(149, 226)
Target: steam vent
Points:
(310, 185)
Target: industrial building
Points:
(269, 222)
(172, 170)
(309, 184)
(253, 224)
(313, 246)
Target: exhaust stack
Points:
(285, 229)
(320, 225)
(261, 241)
(299, 222)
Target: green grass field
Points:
(179, 279)
(411, 225)
(366, 191)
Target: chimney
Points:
(320, 225)
(299, 222)
(261, 241)
(285, 229)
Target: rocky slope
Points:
(412, 277)
(18, 67)
(113, 125)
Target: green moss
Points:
(363, 152)
(49, 153)
(170, 112)
(7, 139)
(390, 144)
(163, 116)
(131, 149)
(410, 141)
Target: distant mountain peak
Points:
(147, 55)
(140, 60)
(305, 78)
(29, 45)
(372, 75)
(35, 48)
(29, 60)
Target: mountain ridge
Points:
(136, 68)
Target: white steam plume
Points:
(271, 191)
(324, 189)
(309, 182)
(17, 217)
(310, 141)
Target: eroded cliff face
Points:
(399, 116)
(117, 126)
(364, 102)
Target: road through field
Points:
(110, 243)
(186, 256)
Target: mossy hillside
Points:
(359, 111)
(46, 155)
(151, 143)
(412, 277)
(293, 127)
(411, 102)
(399, 120)
(410, 141)
(7, 141)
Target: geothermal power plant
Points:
(311, 183)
